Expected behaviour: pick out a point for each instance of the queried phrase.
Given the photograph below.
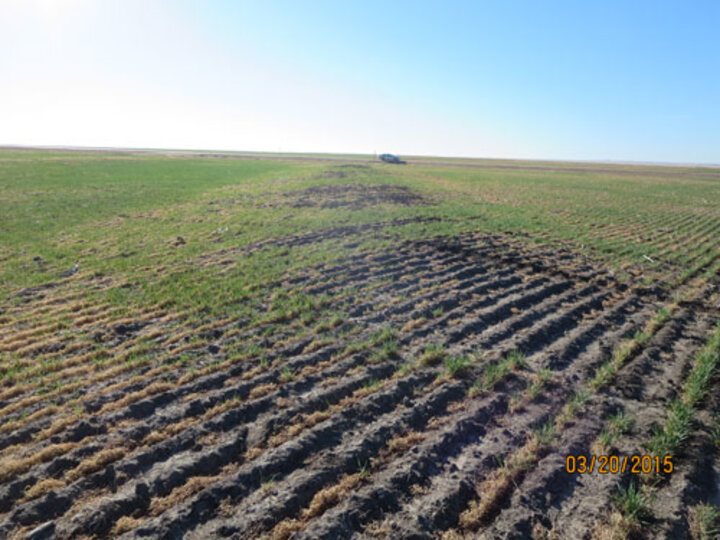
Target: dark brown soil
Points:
(354, 196)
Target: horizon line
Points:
(251, 153)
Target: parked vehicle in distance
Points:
(391, 158)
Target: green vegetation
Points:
(116, 215)
(545, 434)
(670, 438)
(387, 351)
(372, 384)
(286, 375)
(457, 366)
(495, 372)
(540, 381)
(576, 402)
(705, 522)
(618, 425)
(704, 367)
(715, 434)
(433, 355)
(385, 345)
(632, 502)
(607, 371)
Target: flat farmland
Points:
(220, 345)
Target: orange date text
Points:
(604, 464)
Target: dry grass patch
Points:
(16, 424)
(262, 390)
(405, 442)
(43, 487)
(252, 453)
(316, 344)
(95, 463)
(452, 535)
(330, 496)
(328, 381)
(378, 529)
(220, 408)
(125, 524)
(412, 324)
(194, 485)
(152, 389)
(12, 467)
(154, 437)
(618, 528)
(493, 490)
(305, 422)
(286, 529)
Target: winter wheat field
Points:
(227, 345)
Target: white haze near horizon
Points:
(110, 73)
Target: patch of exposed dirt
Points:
(354, 196)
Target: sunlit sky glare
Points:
(625, 80)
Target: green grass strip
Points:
(672, 436)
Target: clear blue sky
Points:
(604, 80)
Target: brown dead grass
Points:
(452, 535)
(125, 524)
(95, 463)
(43, 487)
(154, 437)
(493, 490)
(16, 424)
(330, 496)
(405, 442)
(316, 345)
(262, 390)
(252, 453)
(191, 487)
(10, 467)
(617, 527)
(305, 422)
(412, 324)
(364, 392)
(152, 389)
(379, 529)
(286, 529)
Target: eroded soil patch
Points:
(353, 196)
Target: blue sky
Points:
(629, 81)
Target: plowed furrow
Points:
(110, 398)
(448, 494)
(241, 413)
(262, 510)
(580, 502)
(471, 462)
(279, 462)
(385, 394)
(410, 469)
(327, 373)
(210, 382)
(288, 455)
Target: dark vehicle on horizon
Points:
(391, 158)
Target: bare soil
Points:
(354, 196)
